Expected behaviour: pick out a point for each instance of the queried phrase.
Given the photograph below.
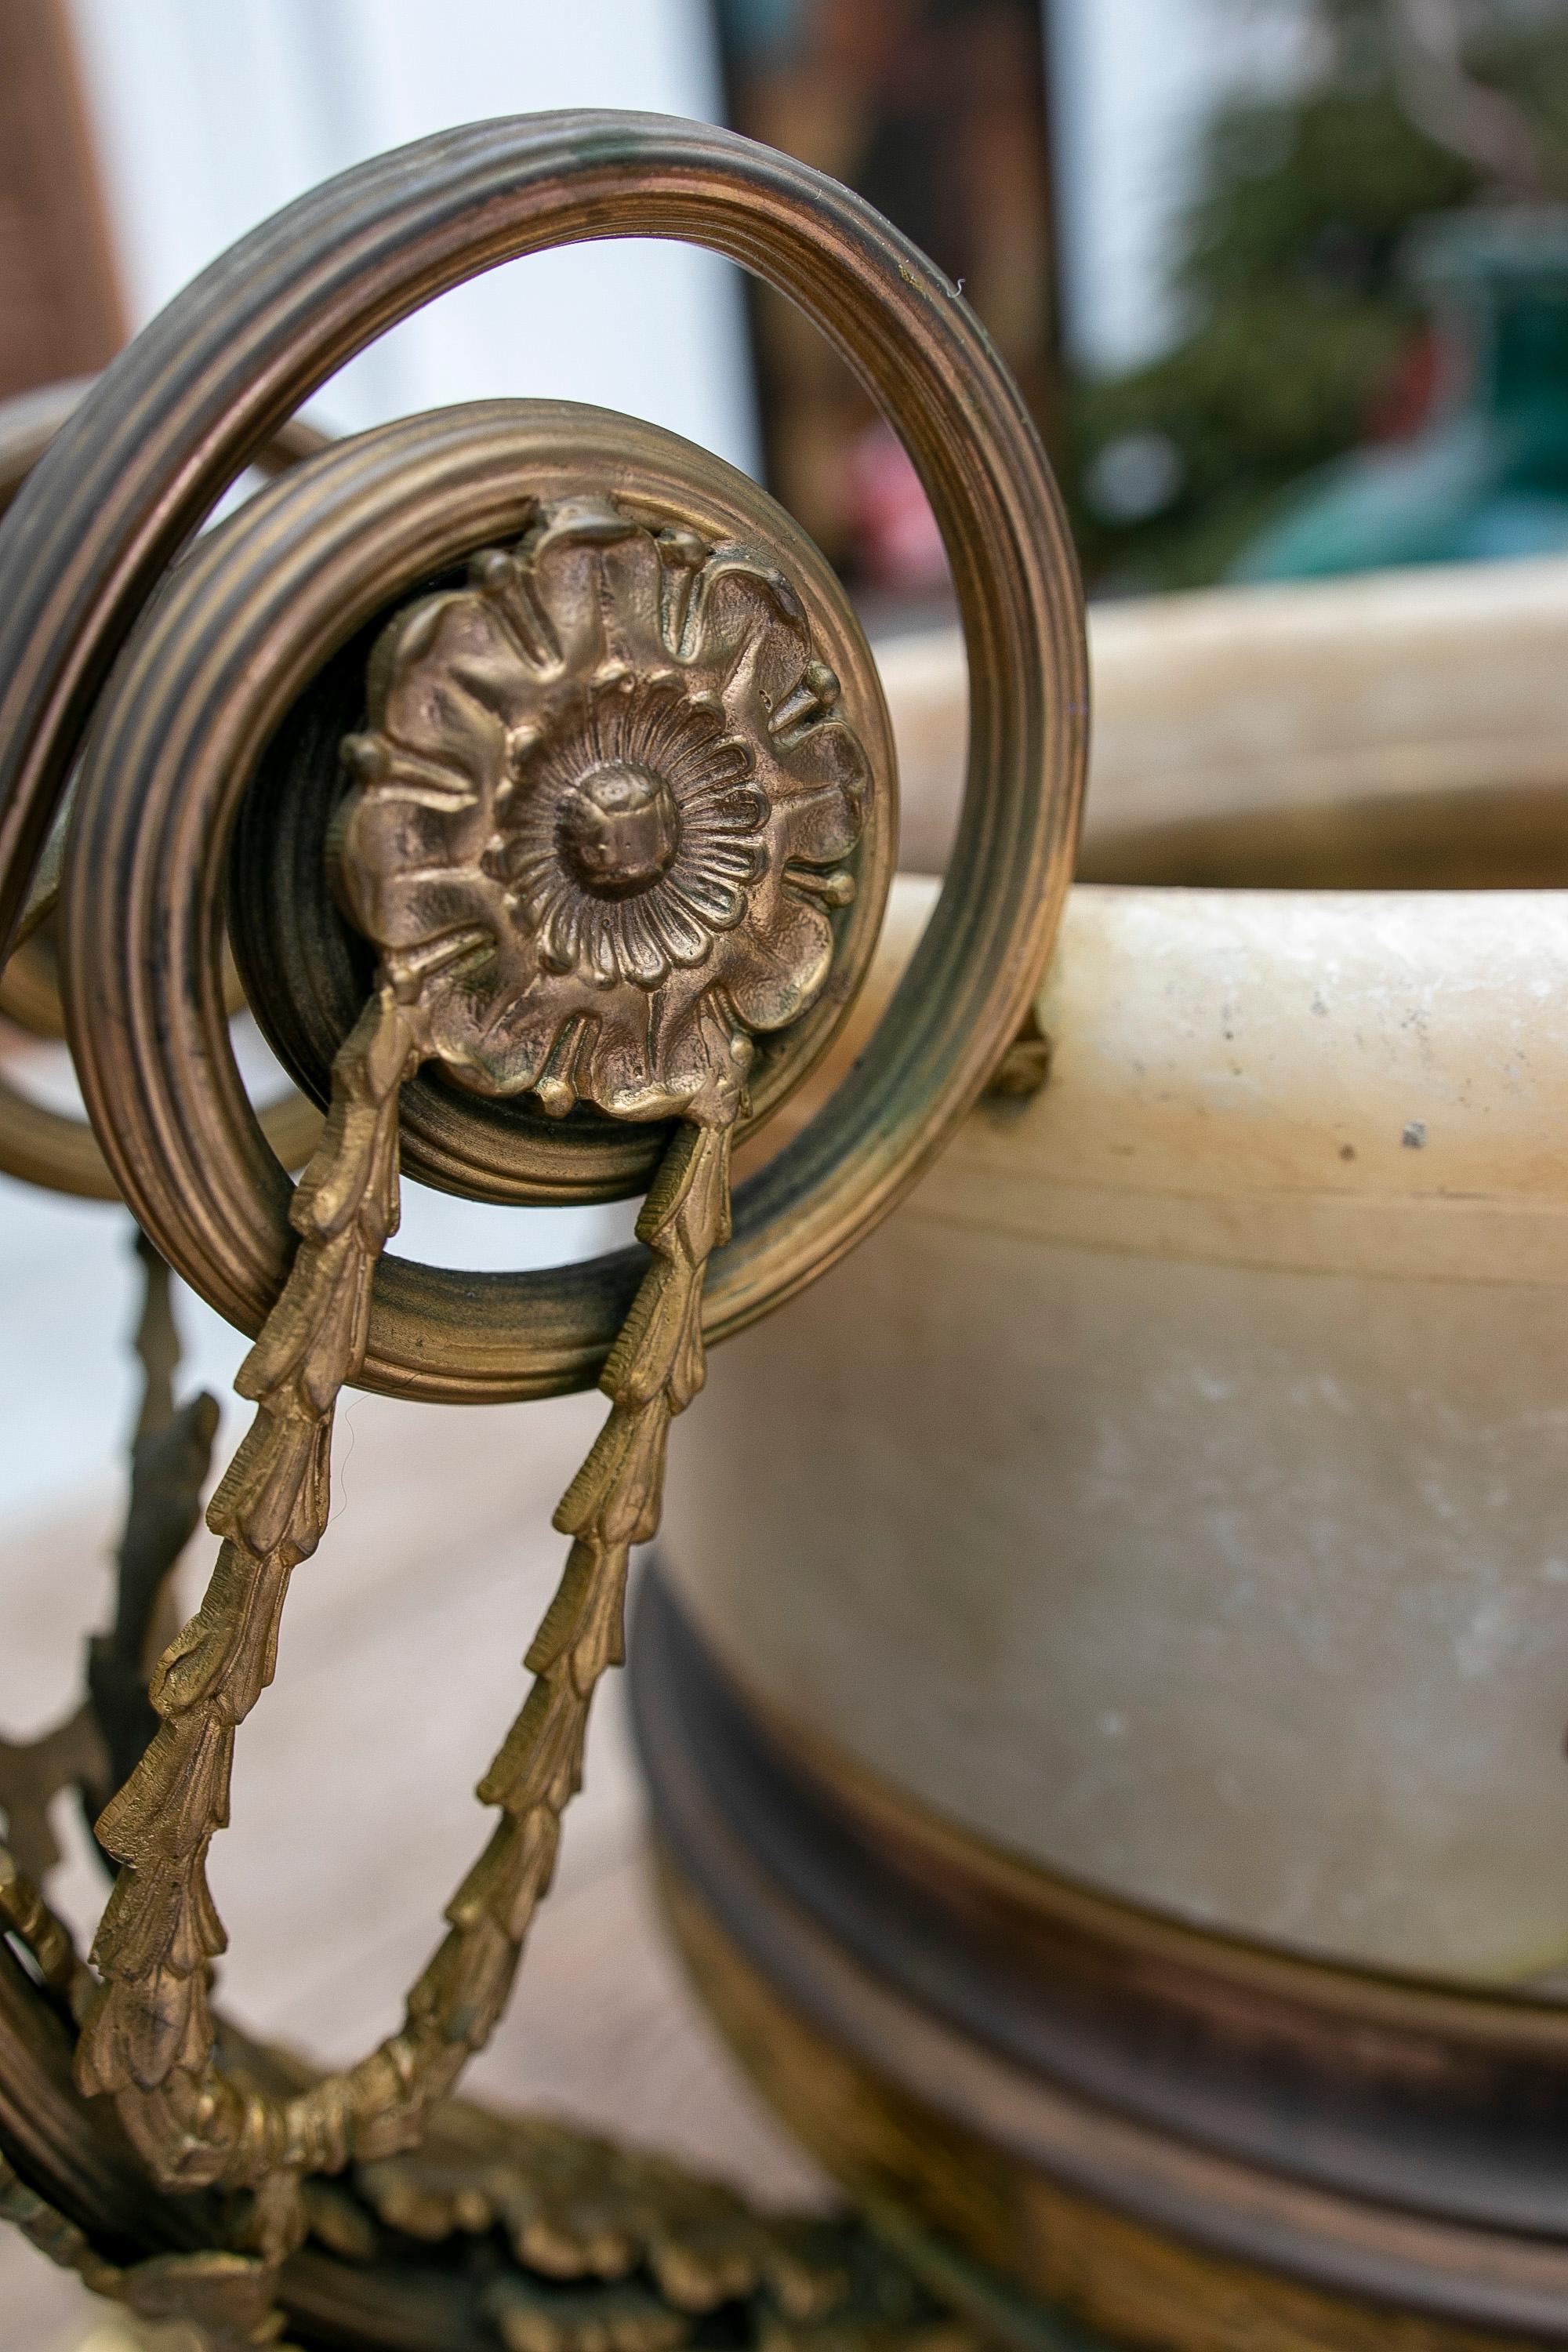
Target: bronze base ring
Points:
(1156, 2134)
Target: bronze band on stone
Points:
(1177, 2137)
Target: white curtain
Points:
(212, 113)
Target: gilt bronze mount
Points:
(540, 775)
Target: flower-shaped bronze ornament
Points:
(601, 815)
(618, 841)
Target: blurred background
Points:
(1286, 285)
(1282, 279)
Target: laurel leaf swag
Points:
(147, 2035)
(160, 1932)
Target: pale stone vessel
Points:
(1185, 1512)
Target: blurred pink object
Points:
(897, 543)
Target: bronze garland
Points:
(534, 920)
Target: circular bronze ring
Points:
(182, 411)
(246, 625)
(50, 1148)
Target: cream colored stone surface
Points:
(1220, 703)
(1173, 1491)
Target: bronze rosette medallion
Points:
(599, 755)
(602, 812)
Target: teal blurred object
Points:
(1489, 476)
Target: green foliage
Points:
(1287, 264)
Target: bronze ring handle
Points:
(242, 702)
(177, 416)
(39, 1145)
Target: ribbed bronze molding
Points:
(173, 422)
(1178, 2137)
(37, 1144)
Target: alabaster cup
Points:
(1123, 1607)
